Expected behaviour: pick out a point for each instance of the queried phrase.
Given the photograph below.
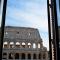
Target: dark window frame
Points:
(55, 40)
(2, 26)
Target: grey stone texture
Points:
(23, 43)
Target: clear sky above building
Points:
(58, 11)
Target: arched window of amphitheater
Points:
(44, 56)
(34, 56)
(11, 56)
(4, 55)
(38, 45)
(29, 56)
(23, 44)
(39, 55)
(5, 45)
(23, 56)
(17, 56)
(29, 45)
(11, 45)
(17, 44)
(34, 45)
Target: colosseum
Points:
(23, 43)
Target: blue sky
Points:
(58, 12)
(29, 13)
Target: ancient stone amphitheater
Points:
(23, 43)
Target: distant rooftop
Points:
(23, 32)
(20, 27)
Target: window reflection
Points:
(58, 17)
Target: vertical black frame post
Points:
(55, 30)
(55, 40)
(2, 27)
(49, 28)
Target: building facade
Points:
(22, 43)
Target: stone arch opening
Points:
(34, 45)
(11, 44)
(17, 56)
(40, 56)
(23, 44)
(29, 56)
(17, 44)
(5, 45)
(11, 56)
(29, 45)
(38, 45)
(44, 56)
(23, 56)
(34, 56)
(4, 55)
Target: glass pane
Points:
(1, 8)
(26, 21)
(58, 17)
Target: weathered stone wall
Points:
(20, 35)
